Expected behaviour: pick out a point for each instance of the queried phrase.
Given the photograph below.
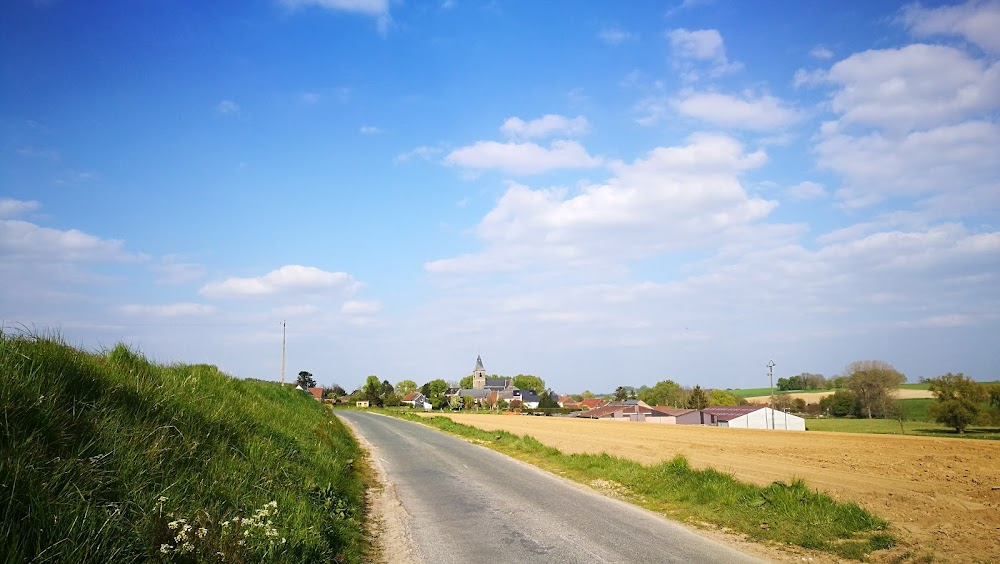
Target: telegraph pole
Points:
(770, 374)
(283, 354)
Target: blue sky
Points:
(599, 193)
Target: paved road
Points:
(467, 503)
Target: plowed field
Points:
(941, 495)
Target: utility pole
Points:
(283, 354)
(770, 374)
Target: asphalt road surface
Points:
(466, 503)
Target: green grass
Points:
(751, 392)
(785, 513)
(920, 386)
(107, 457)
(915, 409)
(891, 427)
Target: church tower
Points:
(479, 375)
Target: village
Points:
(501, 395)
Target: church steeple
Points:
(479, 375)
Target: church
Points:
(480, 381)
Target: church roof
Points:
(479, 364)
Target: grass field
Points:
(891, 427)
(107, 457)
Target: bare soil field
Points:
(814, 397)
(941, 495)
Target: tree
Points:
(334, 392)
(840, 404)
(993, 391)
(466, 383)
(386, 388)
(501, 404)
(782, 402)
(529, 382)
(698, 398)
(305, 380)
(587, 394)
(665, 392)
(372, 390)
(546, 400)
(392, 399)
(621, 394)
(405, 387)
(874, 383)
(722, 397)
(434, 388)
(957, 402)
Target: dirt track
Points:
(938, 493)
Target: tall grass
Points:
(107, 457)
(786, 513)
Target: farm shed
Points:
(753, 417)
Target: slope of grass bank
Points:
(785, 513)
(111, 458)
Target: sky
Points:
(596, 193)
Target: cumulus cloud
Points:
(976, 21)
(24, 241)
(169, 310)
(522, 158)
(764, 113)
(287, 279)
(956, 160)
(672, 198)
(700, 49)
(916, 86)
(545, 126)
(10, 207)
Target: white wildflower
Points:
(202, 532)
(165, 548)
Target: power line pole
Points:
(770, 374)
(283, 353)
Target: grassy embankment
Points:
(784, 513)
(111, 458)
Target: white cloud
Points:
(976, 21)
(169, 310)
(913, 87)
(424, 152)
(172, 269)
(378, 9)
(545, 126)
(287, 279)
(701, 45)
(821, 52)
(616, 36)
(21, 240)
(10, 207)
(370, 130)
(227, 107)
(957, 160)
(808, 77)
(806, 191)
(357, 307)
(522, 158)
(370, 7)
(692, 49)
(674, 197)
(764, 113)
